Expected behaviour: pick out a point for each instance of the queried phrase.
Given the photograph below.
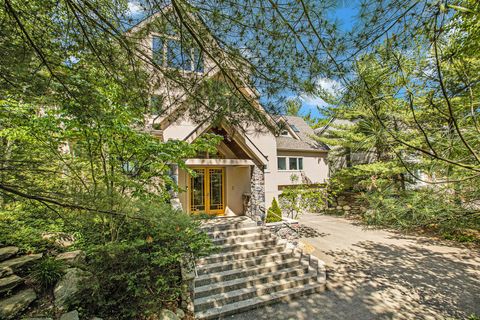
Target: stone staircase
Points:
(14, 295)
(252, 268)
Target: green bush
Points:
(423, 209)
(274, 213)
(138, 275)
(47, 272)
(22, 225)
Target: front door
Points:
(207, 191)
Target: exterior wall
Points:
(180, 129)
(237, 183)
(315, 168)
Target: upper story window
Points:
(156, 104)
(293, 163)
(294, 128)
(169, 51)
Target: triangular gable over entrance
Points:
(238, 143)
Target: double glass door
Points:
(207, 190)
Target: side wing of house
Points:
(299, 159)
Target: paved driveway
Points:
(375, 274)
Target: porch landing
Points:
(253, 268)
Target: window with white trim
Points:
(169, 51)
(282, 163)
(290, 163)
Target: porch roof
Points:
(219, 162)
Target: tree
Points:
(293, 107)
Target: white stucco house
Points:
(251, 165)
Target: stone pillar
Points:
(256, 208)
(174, 200)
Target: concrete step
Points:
(235, 232)
(246, 246)
(221, 299)
(269, 267)
(241, 255)
(244, 263)
(232, 308)
(240, 283)
(215, 227)
(241, 238)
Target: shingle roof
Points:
(305, 133)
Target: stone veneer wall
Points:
(256, 205)
(347, 203)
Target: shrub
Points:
(139, 274)
(423, 209)
(274, 213)
(22, 225)
(47, 272)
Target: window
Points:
(294, 163)
(294, 128)
(173, 53)
(284, 133)
(156, 104)
(282, 163)
(157, 48)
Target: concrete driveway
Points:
(376, 274)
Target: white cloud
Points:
(331, 86)
(134, 8)
(311, 101)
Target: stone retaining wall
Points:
(347, 203)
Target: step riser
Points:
(262, 303)
(250, 283)
(241, 255)
(230, 265)
(248, 246)
(245, 273)
(240, 239)
(225, 227)
(235, 233)
(249, 295)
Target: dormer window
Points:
(294, 128)
(169, 51)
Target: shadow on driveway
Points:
(389, 277)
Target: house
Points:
(252, 163)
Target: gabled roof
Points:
(305, 134)
(242, 139)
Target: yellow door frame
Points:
(206, 190)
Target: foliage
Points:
(47, 272)
(274, 213)
(297, 199)
(22, 225)
(423, 210)
(407, 123)
(144, 263)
